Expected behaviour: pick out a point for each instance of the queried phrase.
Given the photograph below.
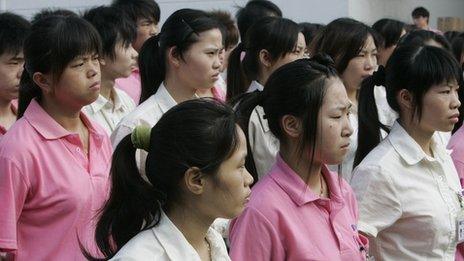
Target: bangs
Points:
(285, 33)
(434, 66)
(75, 37)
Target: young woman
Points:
(373, 90)
(409, 195)
(301, 210)
(196, 173)
(270, 44)
(354, 49)
(54, 162)
(184, 57)
(119, 59)
(389, 32)
(13, 31)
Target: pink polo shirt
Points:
(131, 85)
(284, 220)
(50, 189)
(456, 144)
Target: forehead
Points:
(210, 38)
(6, 56)
(335, 96)
(369, 44)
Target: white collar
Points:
(178, 248)
(408, 148)
(255, 86)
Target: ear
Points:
(174, 56)
(265, 58)
(405, 99)
(291, 126)
(43, 81)
(194, 180)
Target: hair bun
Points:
(323, 59)
(379, 76)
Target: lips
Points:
(454, 118)
(95, 85)
(346, 146)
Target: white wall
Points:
(321, 11)
(370, 11)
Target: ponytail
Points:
(28, 90)
(246, 103)
(152, 68)
(132, 205)
(237, 81)
(369, 135)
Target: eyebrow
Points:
(346, 107)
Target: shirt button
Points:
(78, 149)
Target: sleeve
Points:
(460, 252)
(378, 202)
(459, 164)
(262, 143)
(119, 133)
(13, 193)
(253, 237)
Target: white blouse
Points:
(165, 242)
(148, 113)
(408, 201)
(109, 114)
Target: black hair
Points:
(13, 31)
(253, 11)
(181, 30)
(139, 9)
(415, 68)
(53, 43)
(230, 34)
(420, 11)
(113, 26)
(297, 88)
(342, 39)
(421, 37)
(389, 31)
(451, 35)
(457, 46)
(46, 12)
(198, 133)
(310, 30)
(278, 36)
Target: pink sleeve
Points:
(253, 237)
(13, 192)
(460, 252)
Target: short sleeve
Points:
(378, 202)
(253, 237)
(13, 193)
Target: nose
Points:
(154, 29)
(248, 178)
(455, 102)
(20, 72)
(347, 128)
(217, 62)
(94, 69)
(134, 53)
(371, 62)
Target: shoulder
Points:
(144, 246)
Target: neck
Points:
(179, 91)
(67, 117)
(262, 78)
(423, 138)
(5, 107)
(352, 95)
(309, 173)
(106, 87)
(191, 223)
